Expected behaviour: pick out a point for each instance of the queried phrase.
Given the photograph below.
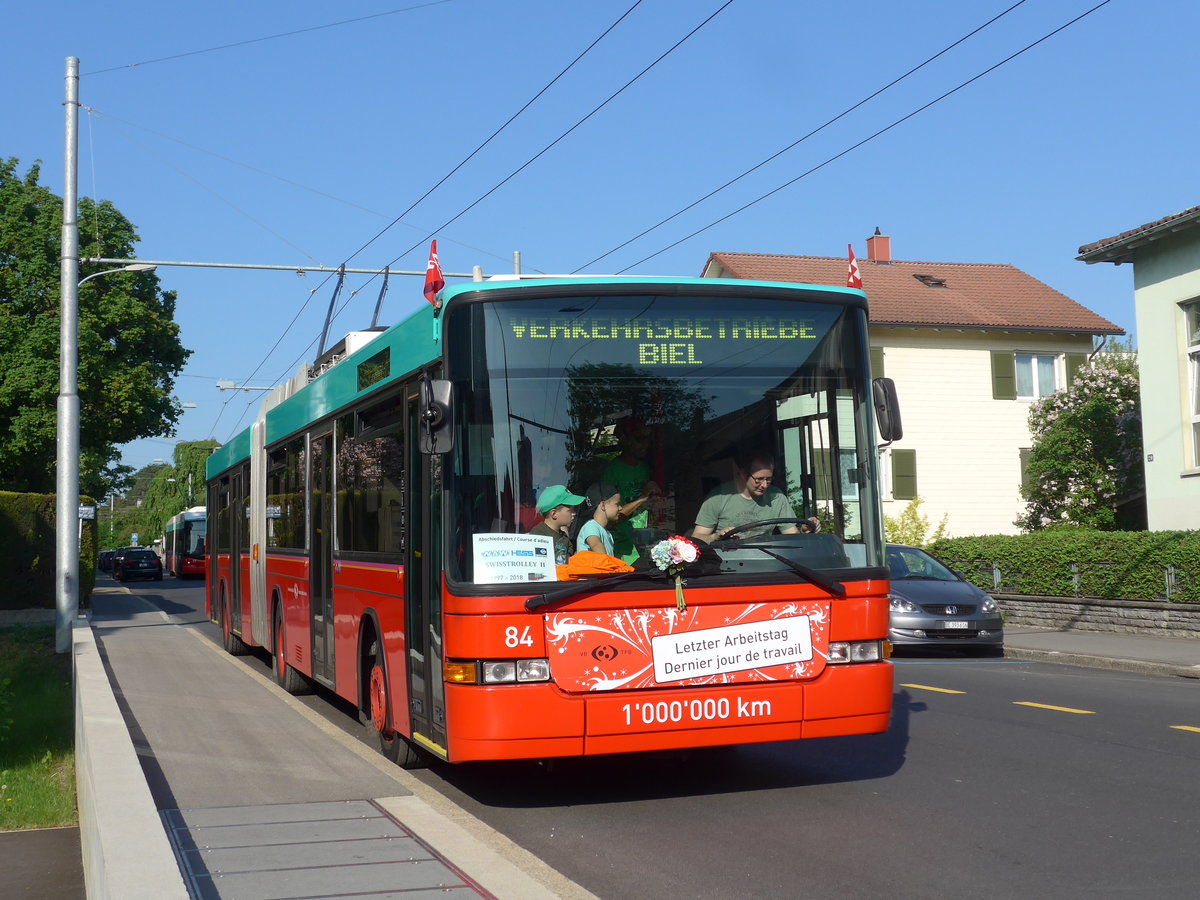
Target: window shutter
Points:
(1004, 376)
(1075, 362)
(876, 362)
(904, 474)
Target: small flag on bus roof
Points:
(853, 279)
(433, 275)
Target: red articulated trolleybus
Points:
(374, 527)
(183, 543)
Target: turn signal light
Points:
(459, 672)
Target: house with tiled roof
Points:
(1165, 255)
(970, 346)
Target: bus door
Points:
(237, 545)
(320, 543)
(423, 588)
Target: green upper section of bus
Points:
(415, 342)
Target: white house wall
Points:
(968, 445)
(1166, 274)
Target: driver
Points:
(751, 498)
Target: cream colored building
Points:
(970, 347)
(1166, 293)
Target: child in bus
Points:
(557, 506)
(605, 500)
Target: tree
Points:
(155, 493)
(1087, 448)
(129, 347)
(910, 527)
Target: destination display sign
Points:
(680, 340)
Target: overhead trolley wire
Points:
(493, 135)
(801, 140)
(439, 183)
(269, 37)
(562, 136)
(870, 138)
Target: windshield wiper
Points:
(832, 585)
(583, 586)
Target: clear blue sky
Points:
(299, 149)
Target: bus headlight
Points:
(855, 651)
(509, 671)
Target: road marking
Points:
(1187, 728)
(925, 687)
(1066, 709)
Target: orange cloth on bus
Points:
(589, 562)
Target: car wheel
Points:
(392, 745)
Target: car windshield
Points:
(911, 563)
(141, 555)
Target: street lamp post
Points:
(67, 480)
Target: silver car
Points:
(933, 606)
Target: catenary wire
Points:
(269, 37)
(868, 139)
(801, 140)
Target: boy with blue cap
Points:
(557, 506)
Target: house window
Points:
(1035, 375)
(1192, 312)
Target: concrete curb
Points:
(1140, 667)
(126, 853)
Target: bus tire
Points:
(285, 676)
(232, 643)
(393, 745)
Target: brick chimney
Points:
(879, 248)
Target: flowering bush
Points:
(673, 555)
(1087, 449)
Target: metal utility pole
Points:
(67, 487)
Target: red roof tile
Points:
(975, 295)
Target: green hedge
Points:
(1124, 565)
(27, 551)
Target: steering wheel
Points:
(740, 528)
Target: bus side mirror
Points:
(887, 409)
(436, 426)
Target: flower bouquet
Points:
(673, 555)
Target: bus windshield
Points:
(670, 401)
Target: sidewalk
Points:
(1106, 650)
(198, 778)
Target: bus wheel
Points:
(285, 676)
(232, 643)
(392, 745)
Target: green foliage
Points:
(27, 551)
(156, 493)
(129, 348)
(1068, 562)
(36, 756)
(1087, 448)
(910, 527)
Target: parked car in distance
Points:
(932, 605)
(137, 562)
(104, 560)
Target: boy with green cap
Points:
(557, 506)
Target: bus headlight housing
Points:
(855, 651)
(510, 671)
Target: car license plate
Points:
(956, 625)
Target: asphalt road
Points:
(996, 779)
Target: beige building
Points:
(970, 347)
(1166, 294)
